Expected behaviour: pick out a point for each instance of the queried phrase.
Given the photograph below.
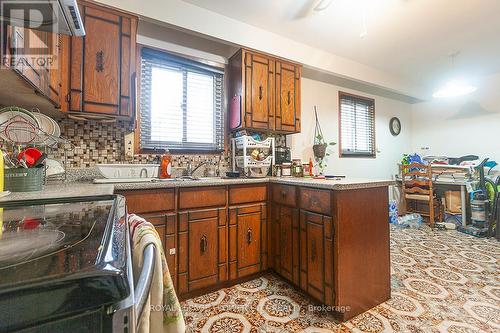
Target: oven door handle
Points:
(144, 282)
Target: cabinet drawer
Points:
(317, 201)
(146, 201)
(247, 193)
(202, 197)
(284, 194)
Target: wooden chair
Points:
(417, 188)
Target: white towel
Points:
(162, 311)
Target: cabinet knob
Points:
(249, 236)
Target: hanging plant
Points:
(320, 146)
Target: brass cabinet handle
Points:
(283, 194)
(260, 92)
(289, 98)
(313, 202)
(203, 243)
(313, 250)
(249, 236)
(99, 59)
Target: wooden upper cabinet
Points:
(39, 61)
(264, 93)
(102, 66)
(259, 92)
(288, 97)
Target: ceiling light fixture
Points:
(456, 87)
(322, 5)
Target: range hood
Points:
(58, 16)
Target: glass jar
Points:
(277, 170)
(286, 170)
(297, 170)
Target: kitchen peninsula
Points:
(329, 238)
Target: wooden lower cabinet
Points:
(319, 240)
(285, 242)
(157, 206)
(247, 240)
(202, 249)
(316, 256)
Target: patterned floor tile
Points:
(442, 282)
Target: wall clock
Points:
(395, 126)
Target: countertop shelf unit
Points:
(242, 147)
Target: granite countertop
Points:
(76, 189)
(65, 190)
(332, 184)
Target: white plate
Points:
(54, 167)
(18, 125)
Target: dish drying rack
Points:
(241, 148)
(20, 133)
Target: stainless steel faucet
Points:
(189, 169)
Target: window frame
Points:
(138, 149)
(342, 154)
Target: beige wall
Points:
(325, 97)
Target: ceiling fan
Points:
(312, 6)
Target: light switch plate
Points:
(171, 251)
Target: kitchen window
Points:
(180, 104)
(356, 126)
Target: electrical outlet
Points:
(129, 145)
(171, 251)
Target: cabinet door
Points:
(288, 97)
(102, 62)
(288, 243)
(316, 243)
(259, 92)
(202, 249)
(247, 238)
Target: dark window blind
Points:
(181, 104)
(357, 126)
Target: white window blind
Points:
(181, 104)
(357, 126)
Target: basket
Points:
(24, 179)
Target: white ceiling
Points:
(408, 38)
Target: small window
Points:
(356, 126)
(181, 104)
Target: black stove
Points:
(64, 265)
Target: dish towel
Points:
(162, 311)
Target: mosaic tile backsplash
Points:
(94, 143)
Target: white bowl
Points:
(120, 171)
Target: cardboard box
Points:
(452, 202)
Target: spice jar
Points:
(286, 170)
(306, 170)
(297, 170)
(277, 170)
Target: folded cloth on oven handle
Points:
(144, 283)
